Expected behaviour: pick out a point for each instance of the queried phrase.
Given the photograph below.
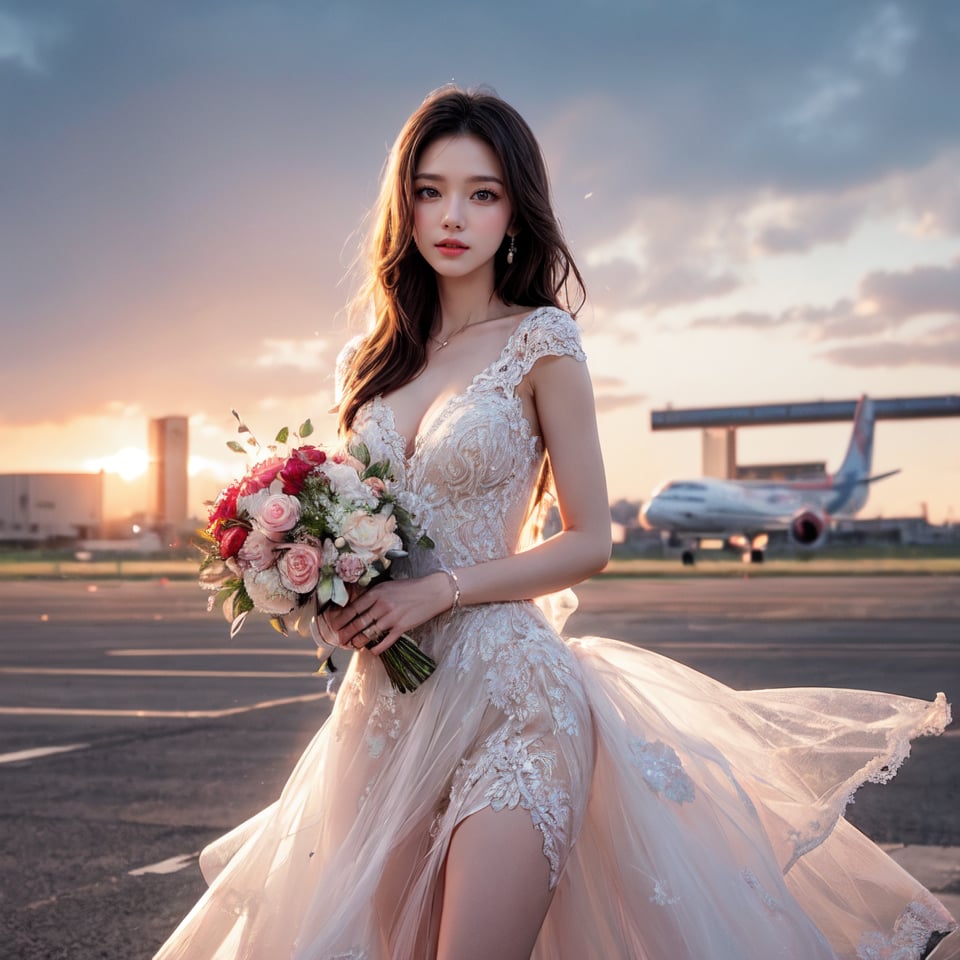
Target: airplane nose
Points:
(648, 515)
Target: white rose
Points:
(371, 536)
(268, 593)
(345, 482)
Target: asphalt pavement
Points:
(133, 730)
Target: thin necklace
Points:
(440, 344)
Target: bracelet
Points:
(455, 583)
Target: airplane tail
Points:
(851, 481)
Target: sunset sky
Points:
(764, 198)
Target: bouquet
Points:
(298, 530)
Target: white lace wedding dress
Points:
(681, 820)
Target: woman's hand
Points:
(385, 611)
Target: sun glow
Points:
(128, 463)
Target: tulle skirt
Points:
(696, 821)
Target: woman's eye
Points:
(426, 193)
(485, 196)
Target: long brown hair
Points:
(401, 287)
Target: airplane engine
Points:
(808, 528)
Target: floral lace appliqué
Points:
(520, 773)
(753, 882)
(661, 896)
(909, 938)
(660, 766)
(528, 675)
(384, 723)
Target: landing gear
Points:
(687, 558)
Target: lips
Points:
(452, 245)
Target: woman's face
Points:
(460, 207)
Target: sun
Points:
(128, 463)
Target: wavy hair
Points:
(401, 288)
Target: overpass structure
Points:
(720, 424)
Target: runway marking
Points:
(153, 714)
(98, 672)
(37, 752)
(214, 651)
(171, 865)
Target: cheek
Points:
(420, 221)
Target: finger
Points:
(388, 640)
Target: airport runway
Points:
(133, 730)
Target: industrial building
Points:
(48, 507)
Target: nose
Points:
(453, 216)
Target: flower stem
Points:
(406, 664)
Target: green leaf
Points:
(241, 601)
(339, 596)
(278, 625)
(306, 428)
(236, 447)
(325, 590)
(380, 470)
(283, 435)
(361, 452)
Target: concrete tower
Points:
(168, 442)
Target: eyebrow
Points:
(477, 178)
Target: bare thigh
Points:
(496, 888)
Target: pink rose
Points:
(277, 514)
(376, 485)
(347, 460)
(350, 568)
(371, 536)
(299, 567)
(257, 551)
(231, 541)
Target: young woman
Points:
(536, 797)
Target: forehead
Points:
(460, 156)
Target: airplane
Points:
(744, 512)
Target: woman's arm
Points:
(563, 396)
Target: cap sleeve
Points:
(548, 332)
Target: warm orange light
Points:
(128, 463)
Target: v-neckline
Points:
(422, 433)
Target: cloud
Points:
(183, 185)
(891, 304)
(885, 40)
(938, 348)
(901, 295)
(23, 41)
(608, 402)
(296, 354)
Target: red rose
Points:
(313, 454)
(231, 541)
(260, 477)
(225, 508)
(293, 475)
(298, 466)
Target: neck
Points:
(464, 300)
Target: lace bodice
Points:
(472, 471)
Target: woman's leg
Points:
(496, 888)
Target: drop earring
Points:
(512, 250)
